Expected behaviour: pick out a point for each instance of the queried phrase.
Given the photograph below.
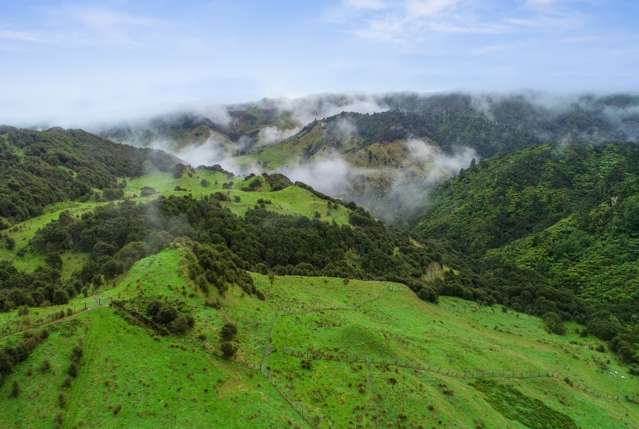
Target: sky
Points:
(75, 62)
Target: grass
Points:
(292, 200)
(23, 232)
(319, 352)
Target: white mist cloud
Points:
(307, 109)
(330, 175)
(345, 128)
(272, 135)
(217, 113)
(365, 4)
(437, 164)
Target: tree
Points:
(228, 331)
(605, 328)
(553, 323)
(60, 297)
(228, 349)
(10, 243)
(15, 390)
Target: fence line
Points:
(464, 375)
(70, 311)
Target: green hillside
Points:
(314, 352)
(181, 297)
(42, 168)
(550, 228)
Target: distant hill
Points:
(385, 143)
(38, 168)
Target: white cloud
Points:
(490, 49)
(412, 21)
(541, 3)
(439, 165)
(19, 36)
(429, 8)
(95, 25)
(329, 175)
(365, 4)
(307, 109)
(581, 39)
(272, 135)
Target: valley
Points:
(147, 291)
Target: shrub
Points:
(73, 370)
(60, 296)
(182, 323)
(45, 366)
(166, 315)
(76, 354)
(428, 294)
(228, 332)
(67, 382)
(147, 191)
(553, 323)
(213, 303)
(604, 328)
(15, 390)
(10, 243)
(59, 420)
(228, 349)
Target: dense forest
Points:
(448, 130)
(550, 228)
(41, 168)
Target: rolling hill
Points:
(314, 352)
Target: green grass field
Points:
(291, 200)
(23, 232)
(317, 352)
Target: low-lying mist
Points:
(234, 134)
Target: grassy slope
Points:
(381, 328)
(291, 200)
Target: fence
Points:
(52, 316)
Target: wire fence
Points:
(29, 322)
(317, 418)
(471, 374)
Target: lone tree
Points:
(553, 323)
(228, 349)
(15, 390)
(228, 332)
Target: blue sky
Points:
(71, 62)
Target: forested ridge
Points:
(38, 168)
